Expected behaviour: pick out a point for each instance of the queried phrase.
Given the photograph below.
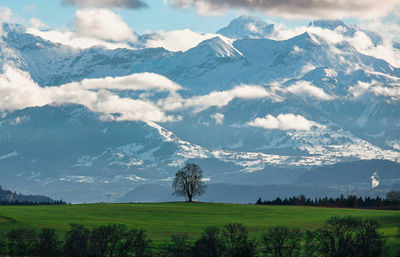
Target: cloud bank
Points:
(102, 27)
(93, 27)
(305, 88)
(295, 9)
(129, 4)
(19, 91)
(102, 24)
(38, 24)
(177, 40)
(6, 14)
(220, 98)
(284, 122)
(138, 81)
(392, 91)
(75, 40)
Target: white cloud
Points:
(38, 24)
(360, 89)
(138, 81)
(219, 118)
(102, 24)
(173, 102)
(295, 9)
(364, 88)
(18, 91)
(305, 88)
(392, 91)
(75, 40)
(100, 27)
(177, 40)
(284, 122)
(219, 98)
(6, 14)
(389, 33)
(93, 27)
(386, 52)
(388, 29)
(222, 98)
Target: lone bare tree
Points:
(188, 181)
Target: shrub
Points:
(136, 242)
(48, 244)
(2, 244)
(76, 241)
(369, 243)
(210, 243)
(235, 236)
(281, 242)
(179, 246)
(106, 239)
(21, 242)
(347, 236)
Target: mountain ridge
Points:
(251, 106)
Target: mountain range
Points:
(252, 108)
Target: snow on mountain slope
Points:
(60, 146)
(247, 26)
(352, 96)
(55, 64)
(254, 61)
(221, 47)
(333, 25)
(340, 27)
(264, 61)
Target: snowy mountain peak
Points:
(341, 27)
(328, 24)
(16, 37)
(306, 39)
(247, 26)
(222, 47)
(8, 27)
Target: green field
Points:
(162, 219)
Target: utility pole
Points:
(108, 197)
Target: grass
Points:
(160, 220)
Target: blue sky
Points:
(158, 15)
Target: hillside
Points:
(7, 196)
(163, 219)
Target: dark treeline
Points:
(17, 202)
(338, 237)
(351, 201)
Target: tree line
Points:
(339, 236)
(392, 201)
(17, 202)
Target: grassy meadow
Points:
(160, 220)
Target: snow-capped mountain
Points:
(248, 108)
(247, 26)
